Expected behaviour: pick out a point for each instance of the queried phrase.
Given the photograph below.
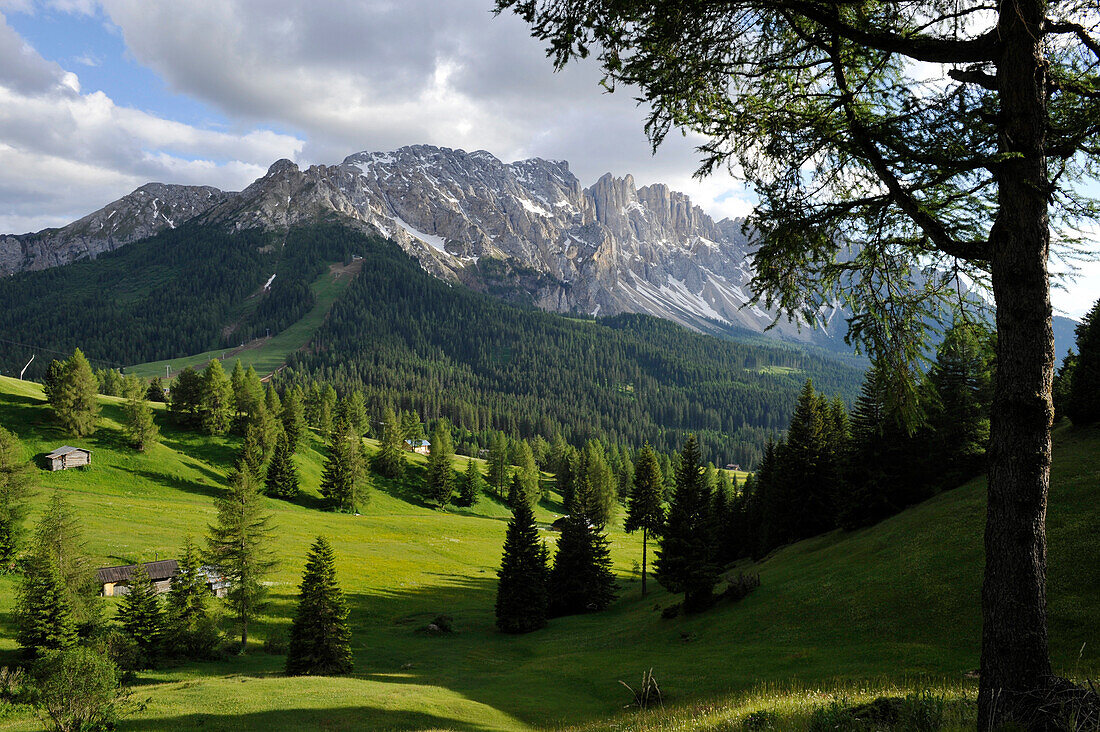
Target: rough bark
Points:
(1015, 660)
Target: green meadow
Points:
(888, 609)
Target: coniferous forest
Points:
(415, 342)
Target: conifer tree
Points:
(16, 481)
(44, 616)
(239, 546)
(188, 631)
(470, 485)
(311, 404)
(441, 476)
(272, 401)
(155, 392)
(961, 379)
(685, 559)
(411, 427)
(498, 463)
(354, 410)
(1083, 405)
(343, 469)
(581, 580)
(282, 475)
(216, 404)
(1063, 383)
(517, 492)
(250, 456)
(326, 411)
(140, 427)
(185, 399)
(240, 398)
(644, 511)
(51, 380)
(528, 472)
(599, 500)
(141, 615)
(390, 458)
(320, 640)
(521, 604)
(293, 417)
(74, 398)
(58, 538)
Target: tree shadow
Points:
(409, 488)
(188, 486)
(333, 718)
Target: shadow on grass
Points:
(187, 486)
(336, 718)
(409, 488)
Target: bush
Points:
(14, 690)
(671, 612)
(838, 716)
(740, 588)
(760, 721)
(124, 652)
(78, 691)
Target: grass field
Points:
(893, 607)
(268, 354)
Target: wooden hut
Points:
(116, 580)
(67, 456)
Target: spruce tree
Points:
(272, 402)
(293, 417)
(441, 476)
(16, 481)
(216, 403)
(44, 617)
(528, 473)
(141, 615)
(185, 399)
(521, 604)
(140, 427)
(74, 398)
(326, 410)
(516, 491)
(644, 510)
(498, 463)
(250, 455)
(58, 537)
(411, 427)
(581, 580)
(470, 485)
(1063, 383)
(1083, 405)
(51, 380)
(188, 631)
(961, 379)
(355, 412)
(389, 461)
(685, 559)
(343, 469)
(282, 475)
(155, 392)
(320, 641)
(239, 546)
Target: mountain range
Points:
(527, 231)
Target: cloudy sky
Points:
(100, 96)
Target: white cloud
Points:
(64, 153)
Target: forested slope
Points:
(413, 340)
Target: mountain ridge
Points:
(599, 250)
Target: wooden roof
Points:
(162, 570)
(65, 450)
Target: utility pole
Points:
(25, 367)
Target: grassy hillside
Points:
(895, 605)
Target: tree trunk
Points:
(1015, 661)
